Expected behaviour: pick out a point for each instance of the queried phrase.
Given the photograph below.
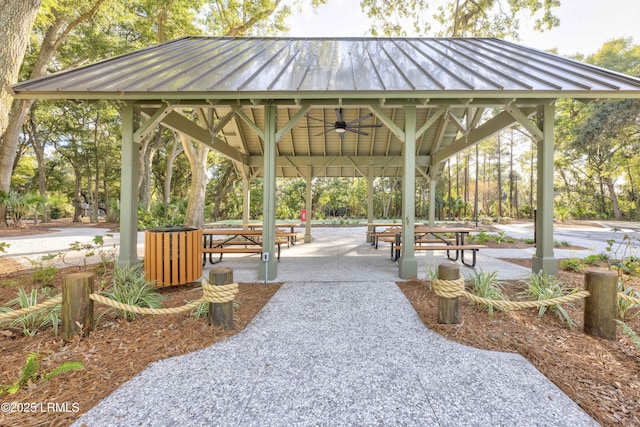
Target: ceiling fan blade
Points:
(357, 131)
(322, 133)
(313, 127)
(359, 119)
(319, 120)
(339, 114)
(379, 125)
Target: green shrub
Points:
(43, 273)
(35, 321)
(561, 244)
(542, 286)
(130, 287)
(482, 237)
(593, 259)
(529, 241)
(573, 264)
(486, 285)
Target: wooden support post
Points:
(448, 307)
(221, 314)
(77, 307)
(600, 306)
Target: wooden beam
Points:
(291, 123)
(322, 161)
(395, 129)
(523, 119)
(248, 121)
(154, 120)
(482, 132)
(179, 123)
(435, 116)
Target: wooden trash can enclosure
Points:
(173, 255)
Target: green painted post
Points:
(268, 269)
(128, 254)
(408, 264)
(308, 207)
(544, 258)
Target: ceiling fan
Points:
(340, 126)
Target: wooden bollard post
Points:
(448, 307)
(77, 307)
(601, 305)
(221, 314)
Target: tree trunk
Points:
(77, 196)
(16, 20)
(149, 150)
(194, 217)
(38, 146)
(175, 151)
(617, 213)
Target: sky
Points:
(585, 25)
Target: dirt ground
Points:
(603, 377)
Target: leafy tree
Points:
(601, 140)
(16, 19)
(459, 18)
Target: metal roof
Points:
(450, 81)
(221, 66)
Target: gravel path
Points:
(337, 353)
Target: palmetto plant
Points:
(486, 285)
(35, 321)
(630, 333)
(543, 286)
(130, 287)
(29, 373)
(624, 306)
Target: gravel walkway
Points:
(338, 353)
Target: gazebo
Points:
(257, 99)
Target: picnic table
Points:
(440, 238)
(292, 235)
(371, 230)
(234, 241)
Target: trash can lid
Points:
(171, 228)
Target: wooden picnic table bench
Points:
(235, 241)
(291, 235)
(459, 251)
(440, 238)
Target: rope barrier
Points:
(45, 304)
(210, 293)
(629, 298)
(455, 288)
(226, 293)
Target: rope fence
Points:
(217, 294)
(77, 303)
(45, 304)
(211, 294)
(629, 298)
(600, 293)
(455, 288)
(601, 298)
